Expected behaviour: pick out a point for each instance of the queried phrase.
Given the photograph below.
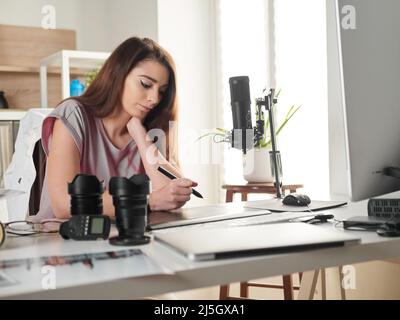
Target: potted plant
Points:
(90, 76)
(257, 161)
(257, 166)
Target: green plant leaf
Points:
(288, 116)
(214, 133)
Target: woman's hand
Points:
(173, 195)
(134, 126)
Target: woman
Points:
(104, 132)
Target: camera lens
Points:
(86, 195)
(130, 199)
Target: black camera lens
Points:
(130, 199)
(86, 195)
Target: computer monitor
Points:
(369, 59)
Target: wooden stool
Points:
(244, 190)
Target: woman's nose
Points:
(153, 98)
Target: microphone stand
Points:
(269, 102)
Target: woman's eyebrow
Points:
(152, 79)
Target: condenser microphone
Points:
(242, 135)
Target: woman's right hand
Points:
(172, 196)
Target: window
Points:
(299, 50)
(242, 51)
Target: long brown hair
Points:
(105, 92)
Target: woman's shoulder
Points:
(67, 108)
(73, 116)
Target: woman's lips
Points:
(144, 109)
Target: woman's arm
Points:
(63, 164)
(151, 157)
(168, 194)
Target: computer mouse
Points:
(296, 199)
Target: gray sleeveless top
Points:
(98, 155)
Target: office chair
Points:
(26, 171)
(39, 160)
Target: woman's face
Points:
(144, 88)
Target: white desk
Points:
(190, 275)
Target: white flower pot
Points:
(257, 166)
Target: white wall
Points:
(100, 24)
(186, 29)
(130, 18)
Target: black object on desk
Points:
(296, 199)
(390, 228)
(86, 227)
(87, 221)
(130, 199)
(171, 176)
(366, 223)
(317, 219)
(86, 193)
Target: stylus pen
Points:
(171, 176)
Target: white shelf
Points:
(67, 59)
(11, 115)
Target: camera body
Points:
(87, 221)
(86, 227)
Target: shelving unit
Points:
(55, 70)
(21, 49)
(67, 59)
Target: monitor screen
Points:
(369, 59)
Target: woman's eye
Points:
(145, 85)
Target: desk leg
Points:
(229, 196)
(308, 284)
(244, 196)
(224, 292)
(244, 290)
(323, 284)
(341, 277)
(288, 287)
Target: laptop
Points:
(209, 244)
(276, 205)
(197, 215)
